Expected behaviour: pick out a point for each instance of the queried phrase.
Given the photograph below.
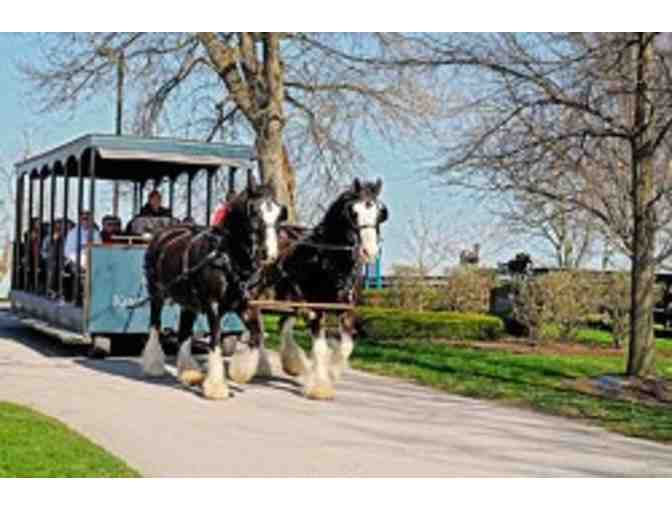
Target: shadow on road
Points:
(12, 330)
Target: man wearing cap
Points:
(111, 227)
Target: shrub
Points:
(616, 303)
(565, 299)
(386, 323)
(410, 290)
(466, 290)
(384, 298)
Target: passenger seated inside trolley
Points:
(152, 216)
(86, 226)
(111, 229)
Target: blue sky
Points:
(403, 168)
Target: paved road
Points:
(376, 426)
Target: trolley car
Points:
(98, 298)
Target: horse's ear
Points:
(382, 213)
(378, 185)
(356, 185)
(251, 181)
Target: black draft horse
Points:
(325, 267)
(212, 271)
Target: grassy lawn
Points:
(35, 445)
(602, 338)
(541, 381)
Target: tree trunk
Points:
(641, 355)
(276, 169)
(273, 157)
(261, 99)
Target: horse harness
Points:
(214, 258)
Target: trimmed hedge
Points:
(393, 324)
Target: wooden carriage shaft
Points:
(298, 307)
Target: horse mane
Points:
(333, 218)
(237, 206)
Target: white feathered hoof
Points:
(243, 365)
(214, 389)
(191, 377)
(294, 360)
(153, 358)
(264, 367)
(318, 388)
(188, 370)
(337, 366)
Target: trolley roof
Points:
(136, 158)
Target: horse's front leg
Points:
(153, 357)
(318, 383)
(264, 367)
(188, 370)
(343, 349)
(246, 362)
(294, 360)
(214, 386)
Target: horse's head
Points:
(262, 214)
(365, 212)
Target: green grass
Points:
(603, 338)
(538, 381)
(35, 445)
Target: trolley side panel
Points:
(118, 282)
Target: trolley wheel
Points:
(101, 347)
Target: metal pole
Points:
(80, 207)
(92, 193)
(92, 221)
(61, 255)
(191, 176)
(379, 270)
(208, 198)
(52, 214)
(121, 64)
(16, 284)
(29, 233)
(171, 195)
(232, 180)
(135, 198)
(40, 215)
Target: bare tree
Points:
(428, 245)
(302, 99)
(580, 119)
(436, 236)
(571, 235)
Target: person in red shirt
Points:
(222, 211)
